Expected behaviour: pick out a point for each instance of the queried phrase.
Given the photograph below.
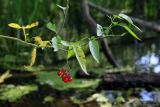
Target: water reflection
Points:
(149, 63)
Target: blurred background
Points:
(119, 56)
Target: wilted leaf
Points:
(37, 39)
(56, 42)
(31, 25)
(80, 57)
(51, 27)
(14, 25)
(94, 49)
(33, 56)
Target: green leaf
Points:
(51, 27)
(100, 30)
(129, 30)
(80, 57)
(127, 18)
(65, 43)
(44, 77)
(70, 52)
(94, 49)
(56, 42)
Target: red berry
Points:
(70, 78)
(62, 70)
(65, 80)
(59, 73)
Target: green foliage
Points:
(51, 79)
(124, 25)
(56, 42)
(94, 49)
(13, 93)
(51, 27)
(100, 31)
(127, 18)
(129, 30)
(80, 57)
(70, 52)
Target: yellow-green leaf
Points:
(31, 25)
(37, 39)
(130, 31)
(70, 52)
(14, 25)
(80, 57)
(33, 56)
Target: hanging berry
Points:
(64, 75)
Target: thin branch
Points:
(27, 43)
(147, 24)
(19, 40)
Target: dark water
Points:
(145, 56)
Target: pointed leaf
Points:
(33, 56)
(130, 31)
(70, 52)
(80, 57)
(100, 30)
(51, 27)
(127, 18)
(14, 25)
(31, 25)
(56, 42)
(94, 49)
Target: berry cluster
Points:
(64, 75)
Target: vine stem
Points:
(65, 17)
(19, 40)
(26, 43)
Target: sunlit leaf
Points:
(56, 42)
(37, 39)
(14, 25)
(127, 18)
(51, 27)
(65, 43)
(129, 30)
(100, 30)
(70, 52)
(94, 49)
(33, 56)
(80, 57)
(31, 25)
(4, 76)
